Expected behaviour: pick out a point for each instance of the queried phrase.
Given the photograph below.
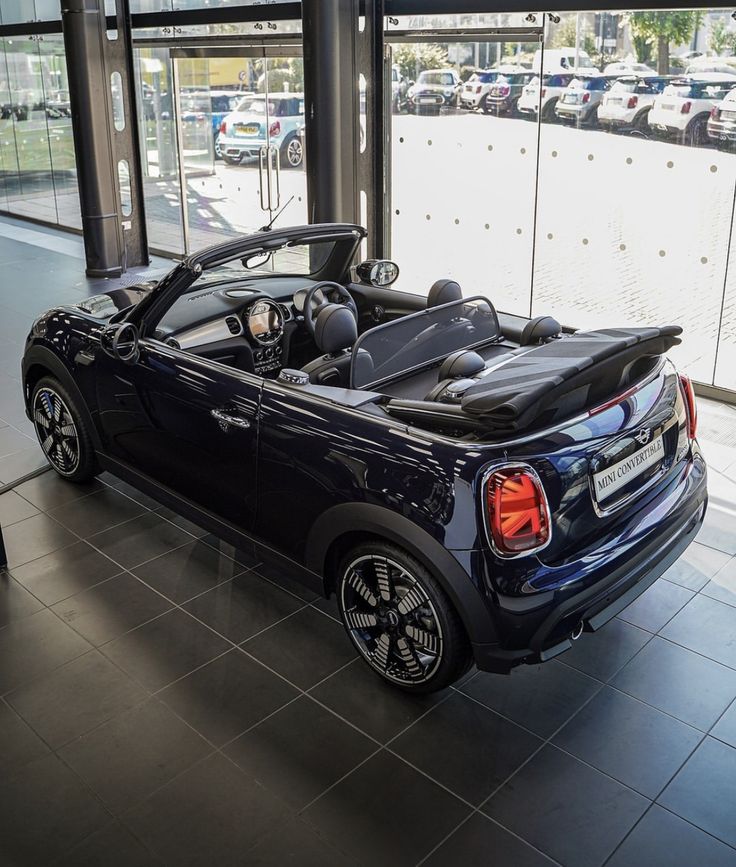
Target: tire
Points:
(231, 161)
(218, 152)
(548, 112)
(62, 431)
(483, 104)
(292, 152)
(696, 133)
(400, 620)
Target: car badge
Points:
(643, 436)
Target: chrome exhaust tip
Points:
(577, 632)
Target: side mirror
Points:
(378, 272)
(121, 342)
(257, 260)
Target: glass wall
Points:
(37, 167)
(591, 176)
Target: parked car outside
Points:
(627, 104)
(683, 109)
(628, 67)
(582, 98)
(553, 86)
(563, 60)
(475, 90)
(257, 122)
(434, 89)
(505, 92)
(722, 121)
(214, 105)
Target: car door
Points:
(188, 423)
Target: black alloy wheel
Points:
(399, 619)
(61, 432)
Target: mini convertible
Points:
(473, 486)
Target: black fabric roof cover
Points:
(566, 376)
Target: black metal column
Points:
(329, 30)
(98, 144)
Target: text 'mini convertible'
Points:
(472, 485)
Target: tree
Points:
(664, 28)
(721, 38)
(414, 58)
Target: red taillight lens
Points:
(633, 101)
(692, 410)
(544, 92)
(223, 127)
(586, 97)
(275, 128)
(517, 511)
(479, 88)
(715, 112)
(686, 106)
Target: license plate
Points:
(608, 481)
(571, 98)
(427, 100)
(247, 128)
(612, 100)
(668, 106)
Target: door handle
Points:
(229, 418)
(263, 169)
(277, 164)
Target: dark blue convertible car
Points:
(473, 486)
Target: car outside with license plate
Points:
(504, 94)
(722, 121)
(627, 104)
(475, 90)
(683, 109)
(472, 486)
(434, 89)
(582, 98)
(553, 86)
(261, 121)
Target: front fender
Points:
(346, 518)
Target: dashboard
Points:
(236, 322)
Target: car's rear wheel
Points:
(696, 133)
(400, 620)
(62, 431)
(292, 152)
(218, 149)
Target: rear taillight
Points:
(715, 112)
(478, 88)
(586, 97)
(633, 102)
(544, 92)
(690, 406)
(223, 127)
(686, 106)
(275, 128)
(517, 511)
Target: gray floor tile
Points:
(15, 600)
(34, 537)
(113, 846)
(696, 566)
(20, 743)
(96, 512)
(656, 606)
(725, 728)
(140, 540)
(601, 654)
(14, 508)
(49, 491)
(706, 626)
(722, 586)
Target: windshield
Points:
(302, 260)
(443, 78)
(421, 339)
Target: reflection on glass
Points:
(126, 200)
(118, 105)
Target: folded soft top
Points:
(565, 376)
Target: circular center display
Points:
(265, 322)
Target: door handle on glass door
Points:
(229, 418)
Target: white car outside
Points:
(475, 90)
(553, 86)
(685, 105)
(626, 67)
(563, 60)
(628, 103)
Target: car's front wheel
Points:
(400, 620)
(62, 431)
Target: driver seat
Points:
(335, 333)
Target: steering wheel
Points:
(333, 293)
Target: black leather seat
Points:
(335, 333)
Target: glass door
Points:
(240, 133)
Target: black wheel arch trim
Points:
(40, 356)
(375, 520)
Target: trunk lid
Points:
(603, 467)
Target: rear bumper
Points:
(719, 130)
(551, 632)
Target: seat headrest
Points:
(540, 329)
(335, 328)
(443, 291)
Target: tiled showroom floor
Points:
(166, 699)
